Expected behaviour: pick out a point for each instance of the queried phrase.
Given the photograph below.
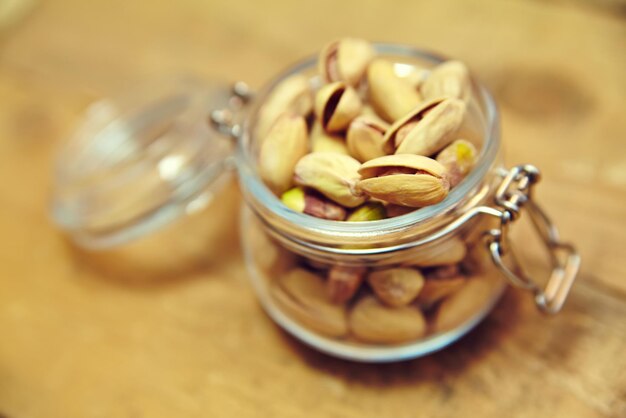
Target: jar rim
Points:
(262, 199)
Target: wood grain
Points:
(170, 328)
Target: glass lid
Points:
(140, 160)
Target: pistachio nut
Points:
(345, 60)
(404, 179)
(373, 322)
(427, 128)
(365, 138)
(436, 289)
(302, 295)
(440, 253)
(449, 79)
(286, 143)
(333, 175)
(336, 104)
(458, 158)
(396, 286)
(343, 282)
(370, 211)
(462, 305)
(312, 203)
(321, 141)
(391, 96)
(294, 95)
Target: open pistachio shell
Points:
(396, 286)
(427, 128)
(365, 138)
(285, 144)
(449, 79)
(333, 175)
(302, 295)
(404, 179)
(345, 60)
(372, 321)
(336, 104)
(293, 95)
(459, 158)
(391, 96)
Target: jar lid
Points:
(139, 161)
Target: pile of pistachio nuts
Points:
(371, 140)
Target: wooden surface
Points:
(171, 328)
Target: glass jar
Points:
(458, 247)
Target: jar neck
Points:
(304, 230)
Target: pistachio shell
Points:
(427, 128)
(462, 305)
(436, 289)
(334, 175)
(365, 138)
(371, 321)
(391, 96)
(343, 282)
(345, 60)
(459, 158)
(372, 168)
(336, 104)
(302, 295)
(322, 141)
(284, 145)
(293, 95)
(404, 179)
(450, 79)
(397, 286)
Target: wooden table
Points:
(106, 335)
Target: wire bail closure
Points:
(513, 195)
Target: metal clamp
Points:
(513, 195)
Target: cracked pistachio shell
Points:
(450, 79)
(391, 96)
(336, 104)
(345, 60)
(281, 149)
(293, 95)
(303, 296)
(321, 141)
(333, 175)
(404, 179)
(426, 129)
(458, 158)
(366, 137)
(397, 286)
(371, 321)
